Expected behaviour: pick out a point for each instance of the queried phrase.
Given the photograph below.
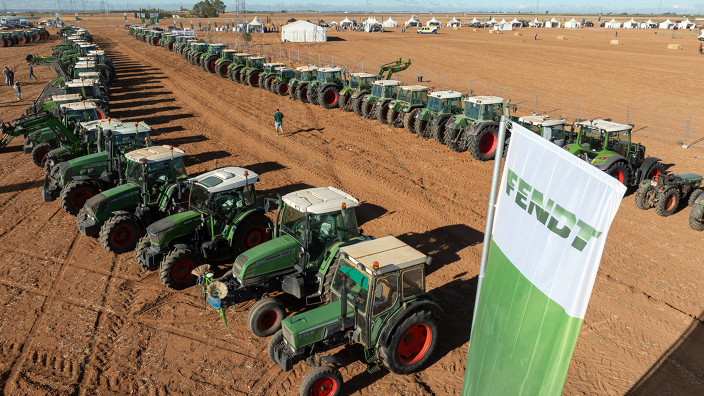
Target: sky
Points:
(554, 6)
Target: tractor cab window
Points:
(357, 285)
(389, 91)
(334, 76)
(179, 169)
(288, 74)
(199, 198)
(453, 105)
(348, 227)
(497, 110)
(355, 82)
(412, 281)
(555, 133)
(619, 142)
(257, 63)
(366, 83)
(377, 91)
(420, 98)
(385, 294)
(227, 205)
(249, 196)
(82, 115)
(472, 110)
(158, 179)
(323, 229)
(435, 104)
(591, 139)
(293, 222)
(135, 172)
(404, 95)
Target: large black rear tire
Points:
(381, 113)
(252, 232)
(366, 109)
(120, 234)
(253, 78)
(409, 122)
(222, 67)
(175, 269)
(483, 145)
(412, 344)
(39, 154)
(265, 316)
(209, 63)
(437, 131)
(696, 217)
(620, 172)
(329, 98)
(357, 106)
(75, 194)
(345, 102)
(666, 202)
(302, 93)
(312, 97)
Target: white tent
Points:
(412, 23)
(454, 23)
(303, 32)
(256, 22)
(493, 21)
(516, 23)
(433, 22)
(474, 21)
(346, 22)
(333, 23)
(572, 24)
(372, 25)
(553, 23)
(612, 24)
(666, 25)
(648, 25)
(390, 23)
(632, 24)
(536, 23)
(686, 24)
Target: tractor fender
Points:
(332, 361)
(442, 118)
(83, 178)
(478, 128)
(323, 86)
(294, 284)
(254, 211)
(360, 93)
(383, 102)
(611, 161)
(645, 167)
(408, 309)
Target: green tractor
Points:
(548, 129)
(395, 324)
(197, 49)
(75, 181)
(409, 99)
(156, 187)
(375, 104)
(223, 63)
(8, 39)
(298, 86)
(249, 75)
(430, 121)
(89, 90)
(325, 89)
(311, 226)
(477, 128)
(181, 44)
(280, 83)
(210, 57)
(665, 192)
(84, 144)
(358, 85)
(224, 220)
(154, 38)
(696, 213)
(607, 145)
(268, 75)
(234, 69)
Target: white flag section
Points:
(553, 213)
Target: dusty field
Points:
(76, 320)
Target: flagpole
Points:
(490, 215)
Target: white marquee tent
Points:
(454, 23)
(648, 25)
(474, 21)
(632, 24)
(572, 24)
(536, 23)
(612, 24)
(372, 25)
(433, 22)
(303, 32)
(516, 23)
(553, 23)
(666, 25)
(390, 23)
(493, 21)
(686, 24)
(412, 23)
(346, 22)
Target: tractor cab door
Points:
(384, 301)
(158, 180)
(619, 142)
(322, 232)
(228, 205)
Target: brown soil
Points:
(77, 320)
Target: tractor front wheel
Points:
(144, 243)
(483, 145)
(408, 122)
(382, 114)
(322, 381)
(696, 217)
(273, 342)
(329, 98)
(175, 270)
(367, 109)
(252, 232)
(437, 131)
(393, 118)
(412, 344)
(357, 106)
(694, 196)
(666, 201)
(644, 198)
(345, 102)
(454, 139)
(75, 194)
(39, 154)
(209, 63)
(282, 88)
(120, 234)
(312, 97)
(655, 171)
(621, 172)
(264, 318)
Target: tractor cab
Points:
(256, 62)
(83, 67)
(285, 73)
(76, 112)
(547, 128)
(228, 54)
(306, 73)
(411, 96)
(240, 58)
(329, 75)
(85, 48)
(361, 81)
(445, 102)
(216, 48)
(153, 169)
(385, 89)
(199, 47)
(271, 67)
(483, 108)
(378, 301)
(99, 56)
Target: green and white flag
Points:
(191, 25)
(143, 19)
(125, 17)
(156, 17)
(215, 22)
(552, 217)
(180, 24)
(199, 25)
(76, 17)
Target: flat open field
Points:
(75, 320)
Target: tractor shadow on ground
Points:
(368, 212)
(165, 119)
(11, 149)
(20, 186)
(178, 142)
(265, 167)
(146, 112)
(335, 39)
(123, 105)
(289, 188)
(136, 95)
(206, 157)
(443, 243)
(305, 130)
(175, 128)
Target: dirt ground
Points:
(76, 320)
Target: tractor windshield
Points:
(404, 95)
(309, 76)
(619, 141)
(199, 198)
(129, 142)
(419, 98)
(591, 139)
(333, 76)
(82, 115)
(257, 63)
(435, 104)
(357, 285)
(293, 222)
(376, 90)
(228, 204)
(454, 104)
(135, 172)
(179, 169)
(355, 82)
(472, 110)
(366, 82)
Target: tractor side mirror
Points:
(343, 300)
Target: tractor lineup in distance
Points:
(383, 91)
(395, 324)
(268, 75)
(76, 180)
(210, 57)
(408, 99)
(17, 37)
(223, 221)
(430, 121)
(325, 89)
(298, 86)
(239, 62)
(156, 187)
(222, 64)
(547, 128)
(665, 191)
(249, 75)
(358, 85)
(607, 145)
(280, 83)
(310, 227)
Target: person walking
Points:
(31, 73)
(8, 81)
(18, 88)
(701, 48)
(278, 121)
(616, 33)
(536, 36)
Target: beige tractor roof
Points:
(89, 75)
(65, 98)
(154, 154)
(329, 69)
(218, 45)
(363, 75)
(229, 51)
(277, 64)
(80, 83)
(225, 179)
(387, 83)
(256, 57)
(85, 64)
(445, 94)
(96, 52)
(606, 126)
(78, 106)
(242, 54)
(415, 88)
(320, 200)
(383, 255)
(307, 68)
(283, 69)
(108, 123)
(540, 120)
(484, 99)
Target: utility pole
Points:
(240, 8)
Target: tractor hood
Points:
(102, 205)
(269, 257)
(87, 165)
(310, 326)
(165, 230)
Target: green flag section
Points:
(553, 213)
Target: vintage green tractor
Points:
(239, 62)
(156, 187)
(249, 75)
(408, 99)
(311, 226)
(477, 128)
(280, 83)
(430, 121)
(222, 64)
(298, 86)
(268, 75)
(377, 301)
(325, 89)
(224, 220)
(547, 128)
(696, 213)
(75, 181)
(358, 85)
(607, 145)
(665, 192)
(375, 104)
(210, 57)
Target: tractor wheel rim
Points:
(487, 144)
(670, 202)
(223, 70)
(324, 387)
(255, 79)
(157, 42)
(182, 270)
(414, 344)
(100, 115)
(256, 236)
(123, 236)
(268, 320)
(284, 89)
(655, 173)
(618, 174)
(79, 198)
(41, 156)
(330, 97)
(212, 65)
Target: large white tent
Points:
(516, 23)
(553, 23)
(346, 22)
(390, 23)
(256, 26)
(412, 22)
(536, 23)
(648, 25)
(612, 24)
(686, 24)
(632, 24)
(433, 22)
(372, 25)
(303, 32)
(474, 21)
(666, 25)
(572, 24)
(493, 21)
(454, 23)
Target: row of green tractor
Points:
(17, 37)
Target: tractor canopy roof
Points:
(272, 65)
(329, 69)
(128, 128)
(307, 68)
(65, 98)
(80, 83)
(606, 126)
(256, 57)
(88, 75)
(230, 51)
(415, 88)
(154, 154)
(88, 45)
(484, 99)
(386, 83)
(384, 255)
(105, 124)
(363, 75)
(320, 200)
(445, 94)
(540, 120)
(85, 64)
(242, 54)
(77, 106)
(226, 179)
(96, 53)
(283, 69)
